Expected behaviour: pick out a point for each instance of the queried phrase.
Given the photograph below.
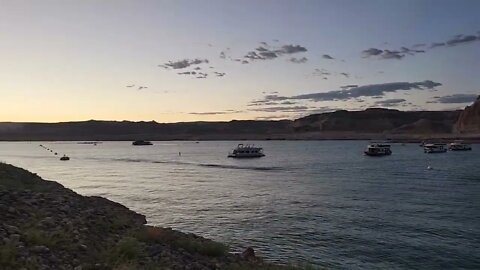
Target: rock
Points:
(14, 238)
(83, 247)
(469, 119)
(11, 229)
(40, 249)
(248, 254)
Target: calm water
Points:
(318, 202)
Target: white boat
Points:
(459, 146)
(246, 151)
(431, 148)
(378, 149)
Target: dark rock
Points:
(248, 254)
(40, 249)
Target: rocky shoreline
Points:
(47, 226)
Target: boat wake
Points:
(209, 165)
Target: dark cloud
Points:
(298, 60)
(183, 63)
(345, 74)
(282, 109)
(390, 102)
(197, 68)
(245, 62)
(459, 39)
(220, 74)
(289, 49)
(372, 52)
(374, 90)
(223, 55)
(456, 98)
(437, 44)
(419, 45)
(390, 54)
(264, 53)
(288, 103)
(215, 112)
(264, 43)
(348, 86)
(326, 56)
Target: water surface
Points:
(320, 202)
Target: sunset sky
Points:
(68, 60)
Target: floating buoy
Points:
(429, 167)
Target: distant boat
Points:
(459, 146)
(141, 142)
(64, 158)
(431, 148)
(246, 151)
(378, 149)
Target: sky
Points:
(209, 60)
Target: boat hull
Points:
(376, 154)
(244, 156)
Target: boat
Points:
(246, 151)
(459, 146)
(378, 149)
(431, 148)
(141, 142)
(64, 158)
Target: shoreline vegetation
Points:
(47, 226)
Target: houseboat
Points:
(431, 148)
(378, 149)
(141, 142)
(246, 151)
(459, 146)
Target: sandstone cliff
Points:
(469, 119)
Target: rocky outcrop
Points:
(469, 119)
(46, 226)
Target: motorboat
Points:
(141, 142)
(431, 148)
(378, 149)
(459, 146)
(246, 151)
(64, 158)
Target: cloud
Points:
(298, 60)
(437, 44)
(390, 102)
(373, 90)
(183, 63)
(282, 109)
(348, 86)
(326, 56)
(216, 112)
(289, 49)
(264, 53)
(220, 74)
(345, 74)
(456, 98)
(223, 55)
(459, 39)
(372, 52)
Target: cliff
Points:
(469, 119)
(46, 226)
(377, 120)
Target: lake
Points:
(317, 202)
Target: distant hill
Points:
(368, 124)
(379, 121)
